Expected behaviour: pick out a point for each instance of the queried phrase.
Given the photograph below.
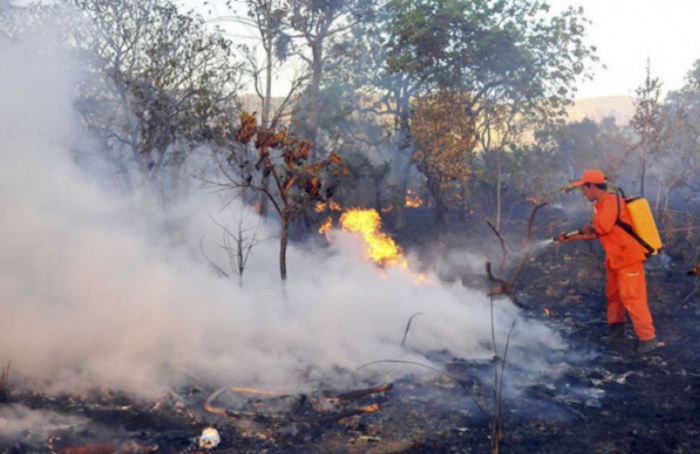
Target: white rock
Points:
(210, 438)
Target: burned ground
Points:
(612, 401)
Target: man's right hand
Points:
(562, 238)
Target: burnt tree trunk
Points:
(284, 238)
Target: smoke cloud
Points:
(94, 294)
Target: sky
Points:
(627, 33)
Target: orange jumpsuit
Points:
(625, 283)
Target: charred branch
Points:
(408, 327)
(302, 408)
(362, 392)
(506, 284)
(543, 395)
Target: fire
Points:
(323, 206)
(327, 225)
(413, 200)
(380, 247)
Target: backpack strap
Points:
(628, 228)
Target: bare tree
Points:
(237, 244)
(649, 123)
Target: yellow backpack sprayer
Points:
(643, 228)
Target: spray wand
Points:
(568, 235)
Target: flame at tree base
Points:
(380, 248)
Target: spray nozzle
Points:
(568, 235)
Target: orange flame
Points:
(380, 247)
(413, 200)
(327, 225)
(323, 206)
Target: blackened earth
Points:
(612, 401)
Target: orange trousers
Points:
(626, 291)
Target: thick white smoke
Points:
(90, 297)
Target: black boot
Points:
(647, 346)
(616, 334)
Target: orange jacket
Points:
(621, 249)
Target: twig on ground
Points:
(692, 292)
(545, 396)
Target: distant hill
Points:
(595, 109)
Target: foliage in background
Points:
(321, 34)
(157, 84)
(518, 63)
(156, 81)
(445, 140)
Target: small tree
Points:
(267, 18)
(648, 122)
(284, 158)
(237, 243)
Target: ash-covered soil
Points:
(609, 401)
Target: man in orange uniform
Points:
(625, 283)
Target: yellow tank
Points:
(643, 223)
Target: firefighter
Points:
(695, 271)
(625, 282)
